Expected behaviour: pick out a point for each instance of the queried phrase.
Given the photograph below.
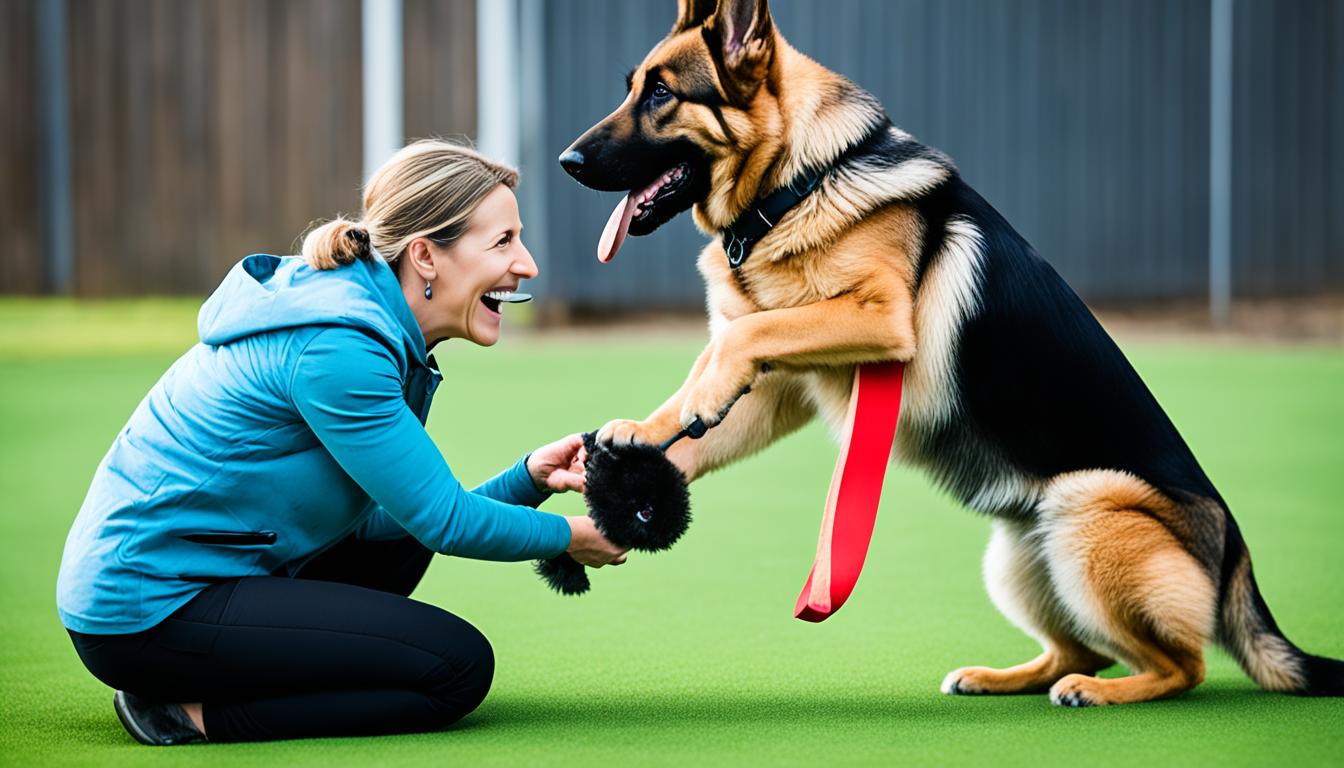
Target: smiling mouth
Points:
(494, 299)
(644, 210)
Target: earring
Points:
(429, 291)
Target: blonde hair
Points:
(428, 189)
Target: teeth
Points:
(509, 297)
(645, 197)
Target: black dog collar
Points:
(742, 235)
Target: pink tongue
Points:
(613, 235)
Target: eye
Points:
(660, 92)
(505, 240)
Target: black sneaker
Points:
(158, 725)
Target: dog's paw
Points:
(962, 682)
(625, 432)
(1075, 691)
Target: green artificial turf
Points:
(693, 657)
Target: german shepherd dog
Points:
(1109, 542)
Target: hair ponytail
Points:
(336, 243)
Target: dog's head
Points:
(696, 111)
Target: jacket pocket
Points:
(232, 538)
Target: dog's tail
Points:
(1248, 631)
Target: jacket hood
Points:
(266, 293)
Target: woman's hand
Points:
(558, 466)
(588, 546)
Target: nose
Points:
(572, 162)
(526, 267)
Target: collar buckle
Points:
(736, 248)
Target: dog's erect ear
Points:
(745, 36)
(692, 13)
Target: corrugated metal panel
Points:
(1288, 168)
(1085, 123)
(591, 44)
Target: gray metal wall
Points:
(1086, 122)
(1288, 164)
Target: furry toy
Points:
(637, 498)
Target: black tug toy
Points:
(637, 498)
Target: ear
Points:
(692, 13)
(420, 258)
(745, 36)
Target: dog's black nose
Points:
(572, 161)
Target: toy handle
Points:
(697, 429)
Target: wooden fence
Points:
(204, 130)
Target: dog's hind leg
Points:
(1018, 582)
(1129, 585)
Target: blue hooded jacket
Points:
(298, 420)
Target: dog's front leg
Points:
(662, 423)
(835, 332)
(775, 407)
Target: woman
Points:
(240, 567)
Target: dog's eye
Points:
(660, 92)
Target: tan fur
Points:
(1131, 589)
(1268, 658)
(1017, 578)
(1098, 576)
(1105, 571)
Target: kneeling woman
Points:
(241, 565)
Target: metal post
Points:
(497, 48)
(1220, 161)
(535, 160)
(53, 77)
(382, 38)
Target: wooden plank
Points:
(440, 68)
(20, 246)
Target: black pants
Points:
(339, 651)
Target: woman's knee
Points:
(465, 674)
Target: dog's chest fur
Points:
(947, 296)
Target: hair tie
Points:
(359, 234)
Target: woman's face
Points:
(489, 257)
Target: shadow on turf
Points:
(668, 711)
(745, 708)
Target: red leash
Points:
(856, 489)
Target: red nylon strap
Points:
(856, 489)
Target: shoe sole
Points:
(128, 721)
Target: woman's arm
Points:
(553, 468)
(514, 485)
(347, 387)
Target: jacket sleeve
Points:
(513, 486)
(347, 387)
